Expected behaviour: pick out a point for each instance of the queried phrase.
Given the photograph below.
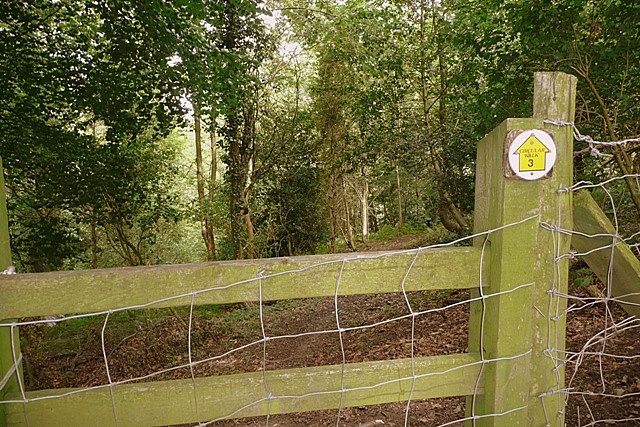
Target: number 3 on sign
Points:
(532, 154)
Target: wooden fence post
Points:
(521, 333)
(6, 350)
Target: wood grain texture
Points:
(88, 291)
(244, 395)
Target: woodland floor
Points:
(70, 354)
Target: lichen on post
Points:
(521, 333)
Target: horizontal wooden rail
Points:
(292, 390)
(89, 291)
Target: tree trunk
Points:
(203, 205)
(94, 244)
(213, 174)
(450, 225)
(364, 208)
(450, 215)
(248, 144)
(241, 139)
(347, 210)
(330, 114)
(400, 219)
(454, 219)
(333, 221)
(251, 249)
(237, 99)
(236, 183)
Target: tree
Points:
(206, 187)
(597, 41)
(220, 61)
(395, 85)
(68, 67)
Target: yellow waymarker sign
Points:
(533, 155)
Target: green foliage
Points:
(438, 234)
(87, 96)
(386, 232)
(581, 275)
(44, 240)
(385, 96)
(89, 90)
(425, 236)
(293, 212)
(506, 42)
(391, 94)
(226, 248)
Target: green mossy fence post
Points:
(524, 329)
(6, 350)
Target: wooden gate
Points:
(512, 373)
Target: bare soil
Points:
(155, 341)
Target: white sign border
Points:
(514, 158)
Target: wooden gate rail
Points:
(243, 395)
(225, 282)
